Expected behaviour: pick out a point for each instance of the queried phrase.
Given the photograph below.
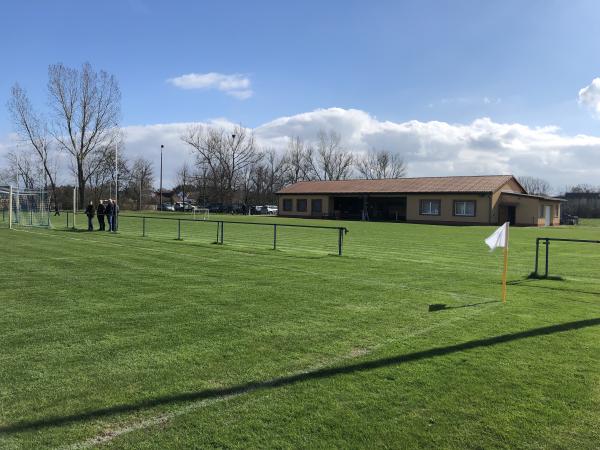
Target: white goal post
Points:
(201, 214)
(24, 207)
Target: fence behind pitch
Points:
(294, 238)
(567, 258)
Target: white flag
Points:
(499, 238)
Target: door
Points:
(512, 214)
(507, 213)
(547, 215)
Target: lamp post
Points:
(161, 164)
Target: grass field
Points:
(131, 342)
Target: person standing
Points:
(100, 213)
(109, 213)
(89, 212)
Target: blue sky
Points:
(520, 62)
(424, 60)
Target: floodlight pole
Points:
(161, 173)
(116, 173)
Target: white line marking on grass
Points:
(161, 419)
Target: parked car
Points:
(166, 207)
(268, 209)
(216, 208)
(184, 206)
(568, 219)
(256, 209)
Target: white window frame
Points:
(464, 213)
(429, 202)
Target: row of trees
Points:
(81, 126)
(82, 122)
(231, 167)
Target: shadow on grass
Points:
(537, 276)
(297, 378)
(443, 307)
(526, 283)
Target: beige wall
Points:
(530, 211)
(294, 212)
(482, 208)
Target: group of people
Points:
(106, 208)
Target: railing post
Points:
(222, 230)
(547, 249)
(218, 227)
(340, 240)
(143, 226)
(274, 236)
(537, 256)
(178, 229)
(67, 219)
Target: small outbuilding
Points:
(475, 200)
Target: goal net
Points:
(201, 214)
(24, 207)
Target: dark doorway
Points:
(507, 213)
(387, 209)
(348, 207)
(512, 214)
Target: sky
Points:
(456, 87)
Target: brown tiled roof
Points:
(477, 184)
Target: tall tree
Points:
(86, 107)
(33, 129)
(376, 164)
(534, 185)
(22, 167)
(184, 179)
(297, 164)
(228, 156)
(330, 161)
(141, 179)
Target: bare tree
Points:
(33, 129)
(86, 109)
(265, 178)
(100, 174)
(376, 164)
(5, 177)
(141, 179)
(21, 166)
(297, 161)
(330, 161)
(583, 189)
(534, 185)
(227, 155)
(184, 178)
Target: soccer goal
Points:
(201, 214)
(24, 207)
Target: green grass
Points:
(131, 342)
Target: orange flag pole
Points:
(505, 266)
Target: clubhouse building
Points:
(474, 200)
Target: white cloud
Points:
(430, 148)
(236, 85)
(589, 96)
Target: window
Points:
(316, 205)
(301, 205)
(287, 204)
(430, 207)
(465, 208)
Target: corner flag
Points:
(499, 239)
